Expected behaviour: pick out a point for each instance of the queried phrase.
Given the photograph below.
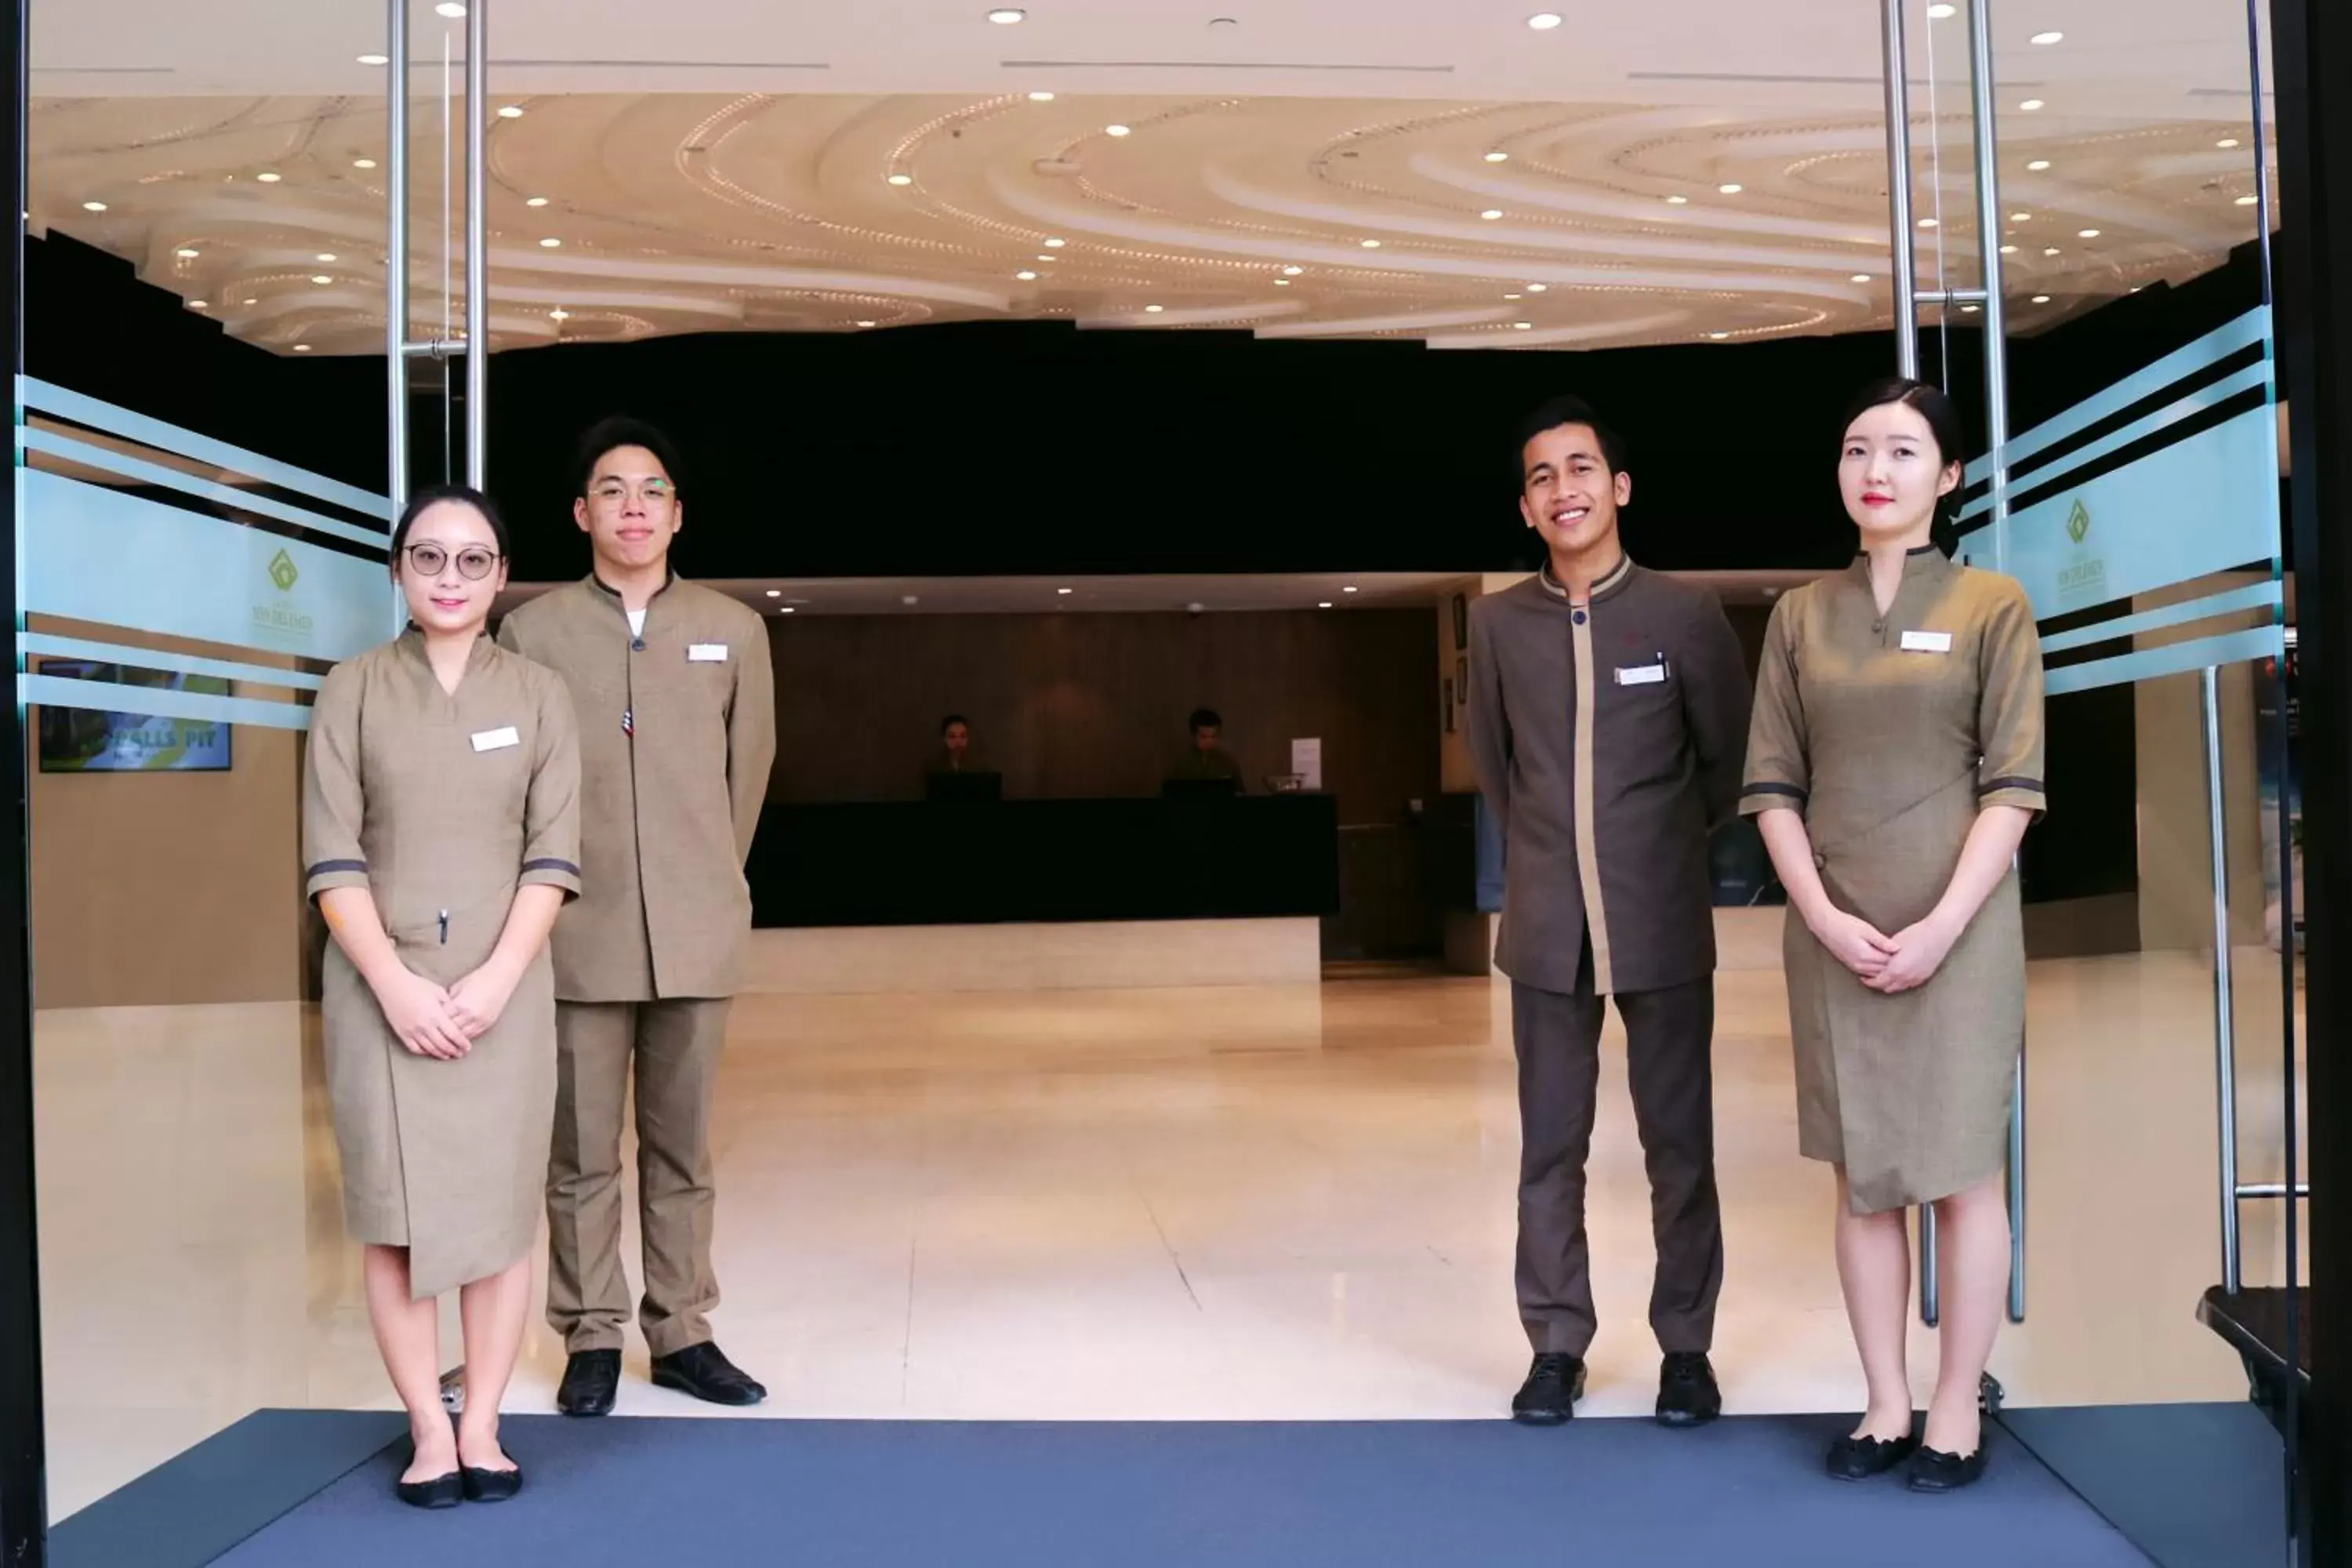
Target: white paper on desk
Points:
(1307, 761)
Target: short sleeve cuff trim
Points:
(2010, 786)
(1762, 797)
(329, 875)
(551, 873)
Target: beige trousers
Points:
(671, 1049)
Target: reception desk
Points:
(894, 863)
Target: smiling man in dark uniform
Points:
(1608, 719)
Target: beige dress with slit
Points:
(1890, 734)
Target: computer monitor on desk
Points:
(946, 786)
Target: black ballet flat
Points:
(1860, 1458)
(441, 1491)
(1933, 1470)
(492, 1485)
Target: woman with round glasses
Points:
(440, 822)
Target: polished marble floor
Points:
(1260, 1203)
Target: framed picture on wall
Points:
(1460, 622)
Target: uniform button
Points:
(1580, 617)
(1820, 861)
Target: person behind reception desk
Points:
(1207, 762)
(952, 775)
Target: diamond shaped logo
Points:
(2078, 522)
(283, 572)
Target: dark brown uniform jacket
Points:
(678, 731)
(1608, 742)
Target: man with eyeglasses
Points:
(676, 704)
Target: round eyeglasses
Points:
(475, 562)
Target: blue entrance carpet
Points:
(715, 1493)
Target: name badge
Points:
(497, 740)
(1641, 675)
(707, 653)
(1926, 642)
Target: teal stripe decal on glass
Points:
(2261, 642)
(113, 697)
(2191, 510)
(154, 658)
(85, 410)
(2253, 327)
(95, 555)
(137, 468)
(2195, 403)
(2258, 596)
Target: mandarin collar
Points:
(1613, 582)
(668, 579)
(412, 643)
(1921, 561)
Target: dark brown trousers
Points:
(1669, 1035)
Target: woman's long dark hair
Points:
(1935, 406)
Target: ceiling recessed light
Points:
(2032, 106)
(1348, 590)
(1065, 590)
(535, 201)
(2039, 167)
(1281, 282)
(1492, 214)
(321, 279)
(1971, 309)
(2041, 298)
(1718, 337)
(375, 59)
(197, 305)
(1369, 243)
(2009, 251)
(558, 315)
(1732, 189)
(451, 9)
(1858, 277)
(253, 301)
(93, 206)
(775, 593)
(1942, 13)
(1539, 287)
(326, 256)
(2250, 201)
(1677, 200)
(2226, 142)
(2046, 39)
(1544, 21)
(1292, 271)
(302, 348)
(1515, 296)
(2049, 251)
(2020, 217)
(1118, 131)
(1523, 326)
(189, 253)
(363, 162)
(1153, 309)
(1041, 98)
(1055, 244)
(1323, 605)
(270, 179)
(1930, 222)
(1005, 15)
(551, 244)
(1498, 157)
(1047, 256)
(1026, 277)
(2088, 234)
(902, 179)
(510, 111)
(909, 600)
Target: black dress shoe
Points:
(591, 1380)
(704, 1372)
(1555, 1382)
(491, 1486)
(441, 1491)
(1859, 1459)
(1933, 1470)
(1688, 1395)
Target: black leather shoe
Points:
(1933, 1470)
(591, 1380)
(1859, 1459)
(704, 1372)
(1555, 1382)
(441, 1491)
(1688, 1395)
(491, 1486)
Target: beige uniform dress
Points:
(1890, 734)
(442, 805)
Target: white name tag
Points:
(1926, 642)
(1641, 675)
(497, 740)
(708, 653)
